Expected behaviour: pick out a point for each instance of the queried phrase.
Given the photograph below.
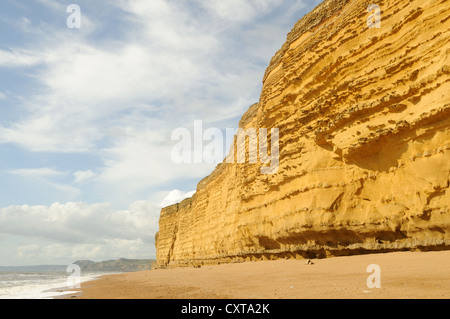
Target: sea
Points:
(42, 284)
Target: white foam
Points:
(47, 289)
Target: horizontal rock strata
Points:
(364, 122)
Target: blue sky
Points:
(86, 114)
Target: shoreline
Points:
(403, 275)
(64, 292)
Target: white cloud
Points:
(63, 233)
(80, 222)
(54, 5)
(240, 10)
(83, 176)
(141, 160)
(173, 58)
(45, 178)
(18, 58)
(36, 172)
(174, 197)
(28, 251)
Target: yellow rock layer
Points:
(364, 120)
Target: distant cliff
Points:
(364, 121)
(120, 265)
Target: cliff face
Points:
(364, 121)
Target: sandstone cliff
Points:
(364, 121)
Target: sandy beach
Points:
(404, 275)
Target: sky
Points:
(86, 114)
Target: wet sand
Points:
(416, 275)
